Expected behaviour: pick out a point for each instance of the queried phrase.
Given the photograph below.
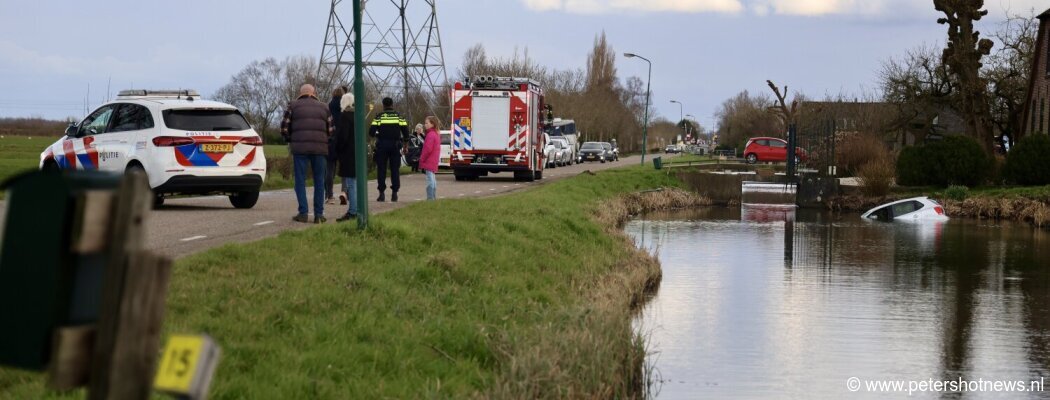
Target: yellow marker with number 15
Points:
(187, 365)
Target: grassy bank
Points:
(528, 295)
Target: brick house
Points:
(1036, 113)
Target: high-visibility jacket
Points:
(389, 127)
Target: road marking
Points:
(506, 186)
(263, 223)
(419, 199)
(477, 191)
(461, 194)
(517, 184)
(192, 238)
(492, 190)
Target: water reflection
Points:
(775, 304)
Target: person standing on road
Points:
(428, 159)
(415, 146)
(345, 147)
(306, 126)
(391, 133)
(329, 179)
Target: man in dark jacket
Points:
(329, 180)
(391, 133)
(306, 126)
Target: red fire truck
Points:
(497, 126)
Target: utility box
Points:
(52, 258)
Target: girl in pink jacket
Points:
(428, 159)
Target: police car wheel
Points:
(244, 200)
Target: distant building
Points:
(1036, 115)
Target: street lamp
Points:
(690, 129)
(645, 123)
(680, 117)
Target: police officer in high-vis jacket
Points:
(391, 133)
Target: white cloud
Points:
(869, 8)
(613, 6)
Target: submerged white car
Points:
(184, 145)
(913, 209)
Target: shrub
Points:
(876, 176)
(279, 166)
(855, 151)
(957, 192)
(1027, 162)
(955, 160)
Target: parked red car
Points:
(770, 149)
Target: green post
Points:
(645, 122)
(360, 143)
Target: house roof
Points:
(1045, 14)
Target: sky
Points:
(58, 57)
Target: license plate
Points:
(444, 161)
(217, 148)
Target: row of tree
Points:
(984, 88)
(604, 106)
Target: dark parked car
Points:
(594, 151)
(610, 152)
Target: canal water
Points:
(770, 303)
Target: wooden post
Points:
(132, 307)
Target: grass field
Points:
(517, 296)
(21, 153)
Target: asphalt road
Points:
(188, 225)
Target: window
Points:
(906, 208)
(777, 143)
(132, 117)
(205, 120)
(591, 146)
(97, 122)
(446, 139)
(1042, 114)
(763, 142)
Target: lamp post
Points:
(689, 131)
(645, 122)
(680, 117)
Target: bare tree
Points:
(1008, 72)
(963, 58)
(256, 91)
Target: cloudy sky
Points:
(54, 54)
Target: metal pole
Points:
(360, 144)
(645, 124)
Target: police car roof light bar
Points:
(189, 93)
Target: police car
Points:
(185, 145)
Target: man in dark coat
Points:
(306, 126)
(345, 148)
